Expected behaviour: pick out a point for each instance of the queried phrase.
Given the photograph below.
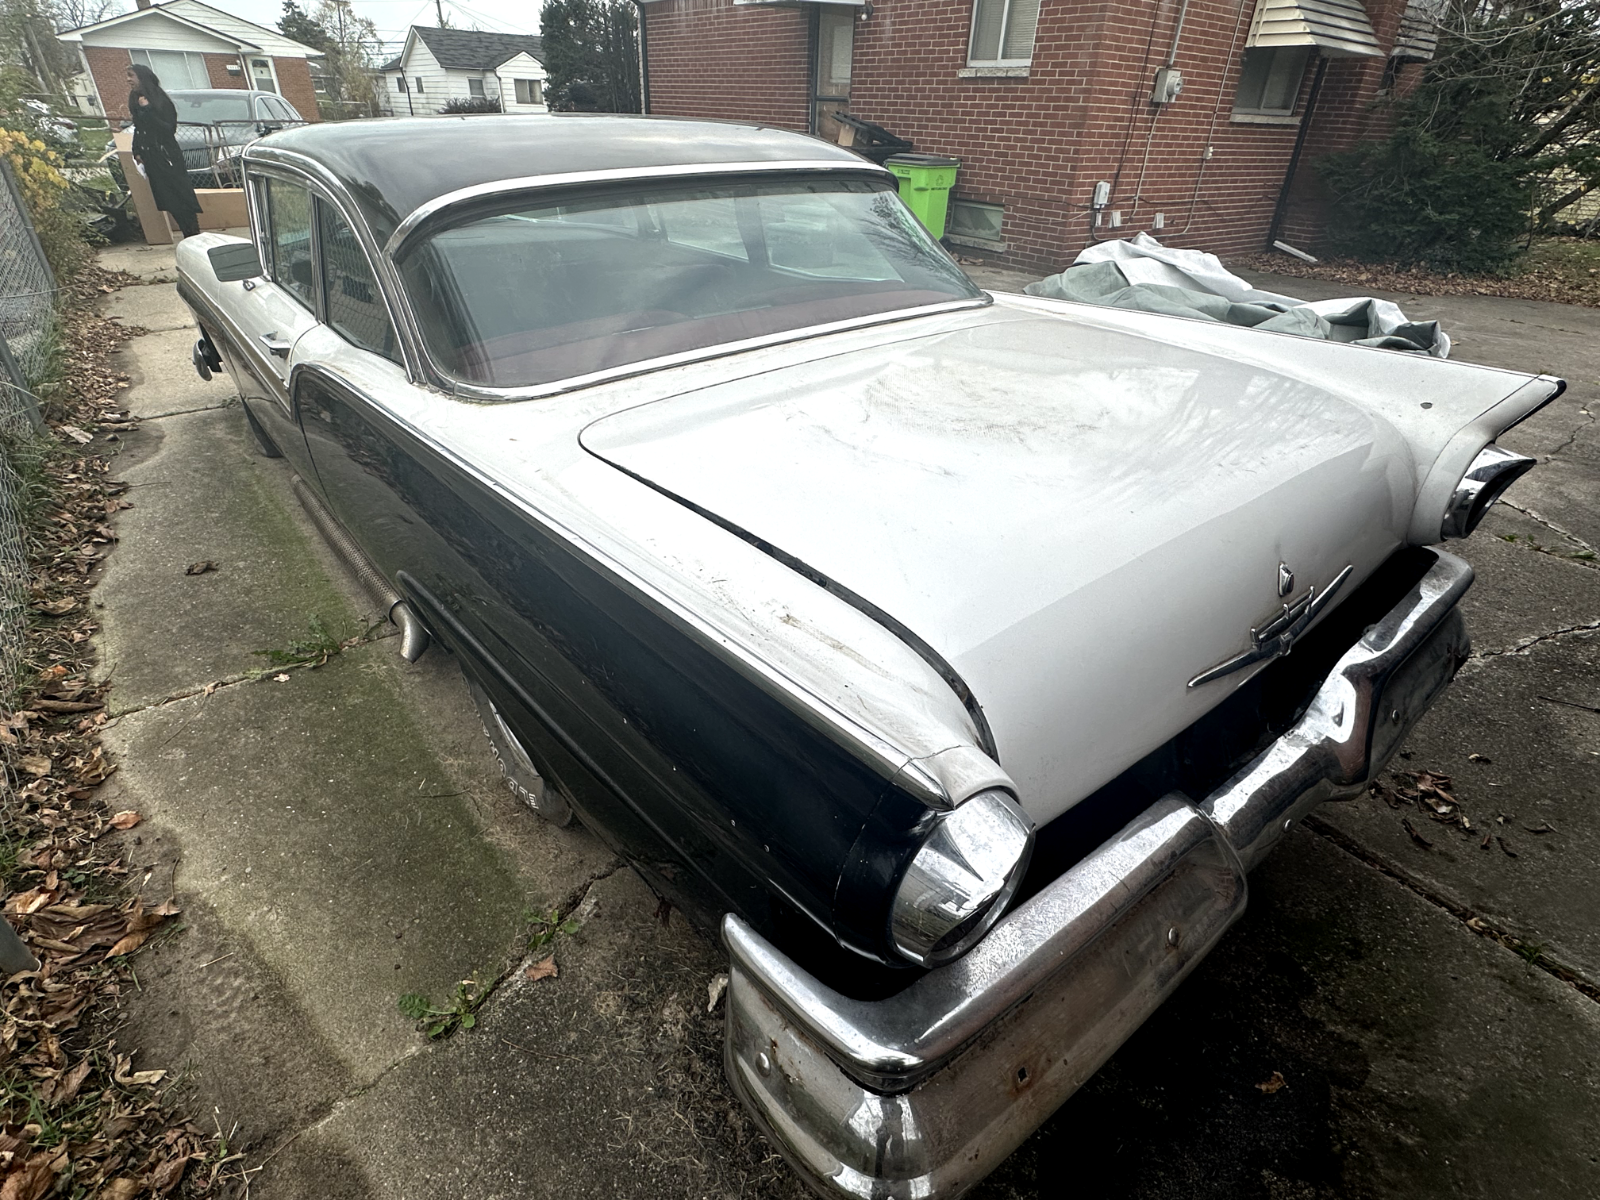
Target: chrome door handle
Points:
(277, 346)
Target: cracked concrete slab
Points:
(1542, 770)
(314, 820)
(163, 381)
(153, 307)
(591, 1083)
(1519, 591)
(1417, 1060)
(200, 496)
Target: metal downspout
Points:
(1299, 144)
(644, 59)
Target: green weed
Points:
(322, 644)
(459, 1013)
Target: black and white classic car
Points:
(933, 645)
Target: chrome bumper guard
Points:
(923, 1094)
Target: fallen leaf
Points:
(56, 608)
(1480, 758)
(200, 568)
(715, 990)
(280, 678)
(1478, 923)
(129, 1078)
(126, 819)
(35, 764)
(545, 968)
(168, 1174)
(67, 1086)
(1487, 838)
(1415, 836)
(128, 943)
(1510, 853)
(121, 1188)
(77, 435)
(1542, 827)
(1276, 1083)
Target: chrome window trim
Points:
(529, 183)
(298, 168)
(469, 391)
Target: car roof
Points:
(217, 93)
(393, 166)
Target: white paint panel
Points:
(157, 32)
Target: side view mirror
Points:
(234, 262)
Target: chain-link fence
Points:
(27, 330)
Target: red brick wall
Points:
(294, 82)
(108, 65)
(217, 69)
(1037, 145)
(710, 59)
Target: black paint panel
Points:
(687, 765)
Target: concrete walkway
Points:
(340, 838)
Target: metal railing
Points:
(211, 150)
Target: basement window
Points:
(1269, 84)
(974, 224)
(1002, 33)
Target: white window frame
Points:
(532, 88)
(475, 89)
(1005, 28)
(192, 59)
(1294, 94)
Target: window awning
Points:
(1338, 28)
(1419, 30)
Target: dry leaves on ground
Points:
(1536, 280)
(78, 1116)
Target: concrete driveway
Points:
(339, 838)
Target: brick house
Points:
(1074, 120)
(191, 45)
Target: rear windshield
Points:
(554, 291)
(207, 110)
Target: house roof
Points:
(466, 49)
(246, 35)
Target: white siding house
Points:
(440, 65)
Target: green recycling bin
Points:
(925, 183)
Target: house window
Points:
(529, 91)
(176, 69)
(1002, 33)
(419, 87)
(1269, 85)
(976, 224)
(475, 88)
(399, 83)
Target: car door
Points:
(279, 309)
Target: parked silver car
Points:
(931, 645)
(215, 124)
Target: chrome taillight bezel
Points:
(1485, 481)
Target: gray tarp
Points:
(1143, 274)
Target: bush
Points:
(1417, 198)
(477, 104)
(47, 194)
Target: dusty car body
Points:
(933, 644)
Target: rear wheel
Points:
(521, 777)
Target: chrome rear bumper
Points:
(922, 1094)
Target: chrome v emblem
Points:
(1277, 637)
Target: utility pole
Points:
(438, 6)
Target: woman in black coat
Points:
(155, 148)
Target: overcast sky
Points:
(394, 17)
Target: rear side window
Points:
(354, 304)
(289, 232)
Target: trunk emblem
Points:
(1277, 637)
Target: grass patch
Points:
(318, 647)
(460, 1012)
